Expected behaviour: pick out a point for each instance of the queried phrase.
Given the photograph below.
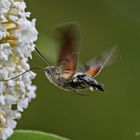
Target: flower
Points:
(17, 37)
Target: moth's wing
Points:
(68, 40)
(94, 66)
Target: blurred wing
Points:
(94, 66)
(68, 39)
(93, 71)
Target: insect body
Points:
(79, 81)
(65, 74)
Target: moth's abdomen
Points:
(100, 87)
(83, 81)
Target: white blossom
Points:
(17, 36)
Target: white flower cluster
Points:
(17, 36)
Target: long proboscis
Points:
(23, 73)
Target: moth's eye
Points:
(47, 70)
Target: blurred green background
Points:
(112, 115)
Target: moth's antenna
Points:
(44, 59)
(22, 74)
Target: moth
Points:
(65, 73)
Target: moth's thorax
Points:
(53, 75)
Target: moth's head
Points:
(50, 70)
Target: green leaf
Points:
(34, 135)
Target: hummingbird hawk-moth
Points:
(65, 73)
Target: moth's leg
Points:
(81, 93)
